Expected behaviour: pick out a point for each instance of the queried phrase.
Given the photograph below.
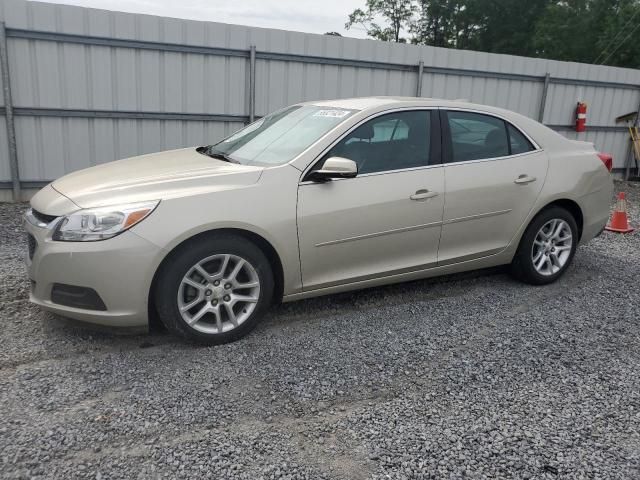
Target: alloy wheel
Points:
(552, 247)
(218, 293)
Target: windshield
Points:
(281, 136)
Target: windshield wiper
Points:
(210, 152)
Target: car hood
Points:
(154, 176)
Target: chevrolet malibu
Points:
(317, 198)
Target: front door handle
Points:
(423, 195)
(524, 179)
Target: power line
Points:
(620, 44)
(615, 38)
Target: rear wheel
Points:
(546, 248)
(214, 289)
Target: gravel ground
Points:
(467, 376)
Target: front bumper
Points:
(119, 269)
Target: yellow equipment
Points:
(632, 119)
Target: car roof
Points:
(379, 102)
(541, 134)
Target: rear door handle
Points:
(524, 179)
(423, 195)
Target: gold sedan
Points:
(316, 198)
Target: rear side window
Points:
(475, 136)
(517, 141)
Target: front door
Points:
(494, 175)
(387, 220)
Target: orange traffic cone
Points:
(619, 222)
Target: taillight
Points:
(607, 159)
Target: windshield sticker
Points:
(331, 113)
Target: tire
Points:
(546, 251)
(199, 277)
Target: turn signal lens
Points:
(95, 224)
(135, 217)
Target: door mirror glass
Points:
(335, 167)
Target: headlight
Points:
(101, 223)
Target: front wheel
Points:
(546, 248)
(214, 289)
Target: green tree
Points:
(591, 31)
(438, 23)
(505, 26)
(618, 43)
(396, 14)
(563, 32)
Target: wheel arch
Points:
(523, 269)
(258, 240)
(571, 206)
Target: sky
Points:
(312, 16)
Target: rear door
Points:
(493, 175)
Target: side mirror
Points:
(335, 167)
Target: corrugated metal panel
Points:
(5, 174)
(1, 95)
(603, 104)
(58, 75)
(615, 143)
(283, 83)
(51, 147)
(519, 96)
(49, 74)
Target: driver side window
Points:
(393, 141)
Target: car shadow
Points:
(85, 337)
(397, 293)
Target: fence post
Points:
(420, 74)
(252, 83)
(8, 109)
(543, 99)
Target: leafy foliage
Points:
(396, 14)
(592, 31)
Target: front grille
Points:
(32, 245)
(42, 217)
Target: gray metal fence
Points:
(89, 86)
